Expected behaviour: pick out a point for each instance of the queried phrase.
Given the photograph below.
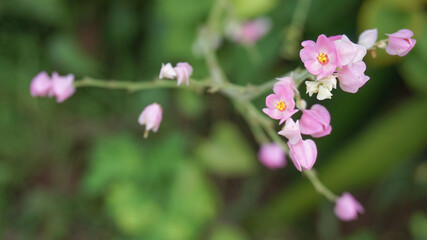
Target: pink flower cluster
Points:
(250, 32)
(182, 72)
(339, 57)
(314, 122)
(61, 87)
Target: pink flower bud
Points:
(316, 121)
(352, 77)
(151, 116)
(167, 71)
(347, 208)
(368, 38)
(272, 156)
(303, 154)
(250, 32)
(291, 131)
(40, 85)
(349, 52)
(320, 57)
(400, 42)
(183, 72)
(62, 87)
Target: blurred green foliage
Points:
(81, 169)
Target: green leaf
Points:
(133, 210)
(192, 197)
(227, 153)
(252, 8)
(227, 232)
(113, 158)
(418, 226)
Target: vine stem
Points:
(318, 185)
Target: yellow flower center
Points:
(323, 58)
(281, 106)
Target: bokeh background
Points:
(82, 170)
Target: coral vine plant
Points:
(330, 61)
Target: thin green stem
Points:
(318, 185)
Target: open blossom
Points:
(349, 52)
(316, 121)
(62, 87)
(167, 71)
(250, 32)
(320, 57)
(272, 156)
(281, 104)
(40, 85)
(151, 117)
(368, 38)
(303, 153)
(352, 77)
(400, 42)
(322, 87)
(346, 207)
(183, 72)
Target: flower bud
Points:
(272, 156)
(291, 131)
(347, 208)
(368, 38)
(352, 77)
(62, 87)
(183, 72)
(40, 85)
(151, 117)
(400, 42)
(167, 71)
(303, 154)
(316, 121)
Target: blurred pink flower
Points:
(319, 58)
(316, 121)
(251, 31)
(167, 71)
(347, 208)
(151, 116)
(368, 38)
(400, 42)
(40, 85)
(281, 104)
(272, 156)
(183, 72)
(349, 52)
(303, 154)
(352, 77)
(62, 87)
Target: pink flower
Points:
(62, 87)
(400, 42)
(291, 131)
(272, 156)
(368, 38)
(183, 72)
(303, 154)
(319, 58)
(280, 105)
(316, 121)
(167, 71)
(349, 52)
(251, 31)
(40, 85)
(347, 208)
(352, 77)
(151, 116)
